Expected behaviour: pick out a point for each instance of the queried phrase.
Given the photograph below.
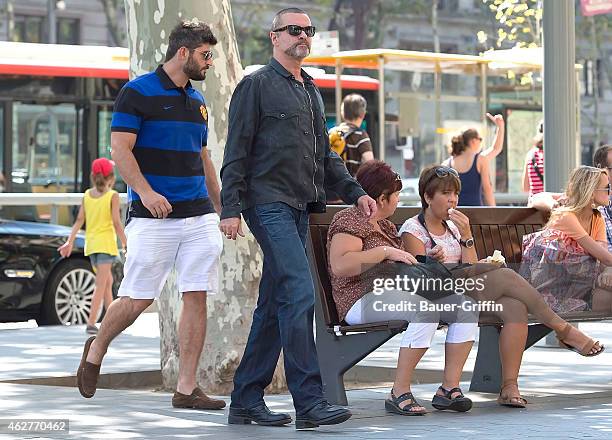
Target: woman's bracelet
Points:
(385, 251)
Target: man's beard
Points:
(299, 50)
(193, 70)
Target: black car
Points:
(37, 283)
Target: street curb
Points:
(363, 374)
(129, 380)
(359, 376)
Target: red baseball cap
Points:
(102, 166)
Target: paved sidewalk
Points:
(47, 354)
(543, 367)
(148, 415)
(37, 354)
(570, 396)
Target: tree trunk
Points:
(230, 310)
(361, 12)
(112, 16)
(10, 20)
(434, 26)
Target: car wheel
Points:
(67, 299)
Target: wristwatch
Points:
(469, 243)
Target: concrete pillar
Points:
(561, 154)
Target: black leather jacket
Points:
(277, 147)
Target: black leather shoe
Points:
(322, 414)
(259, 414)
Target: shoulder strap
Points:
(421, 219)
(535, 167)
(349, 132)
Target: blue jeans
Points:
(284, 314)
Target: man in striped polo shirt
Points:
(159, 134)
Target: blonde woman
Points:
(587, 189)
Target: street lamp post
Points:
(52, 21)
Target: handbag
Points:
(560, 269)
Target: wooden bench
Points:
(341, 346)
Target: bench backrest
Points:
(493, 228)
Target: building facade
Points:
(76, 21)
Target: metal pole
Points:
(52, 21)
(559, 93)
(483, 93)
(578, 123)
(381, 108)
(483, 117)
(438, 113)
(338, 90)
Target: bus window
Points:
(45, 151)
(105, 114)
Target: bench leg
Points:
(536, 332)
(339, 354)
(487, 370)
(487, 376)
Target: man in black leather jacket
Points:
(276, 166)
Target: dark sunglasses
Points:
(296, 30)
(206, 55)
(442, 171)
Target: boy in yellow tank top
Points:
(100, 209)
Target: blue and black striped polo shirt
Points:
(171, 124)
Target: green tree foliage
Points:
(520, 23)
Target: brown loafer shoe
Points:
(196, 400)
(87, 374)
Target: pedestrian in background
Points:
(355, 147)
(350, 141)
(100, 211)
(533, 171)
(472, 164)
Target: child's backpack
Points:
(337, 138)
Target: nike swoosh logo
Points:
(168, 107)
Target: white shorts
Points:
(155, 246)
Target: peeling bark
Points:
(229, 311)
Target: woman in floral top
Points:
(356, 244)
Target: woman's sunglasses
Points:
(606, 188)
(441, 172)
(445, 171)
(296, 30)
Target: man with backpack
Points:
(349, 140)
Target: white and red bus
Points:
(55, 109)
